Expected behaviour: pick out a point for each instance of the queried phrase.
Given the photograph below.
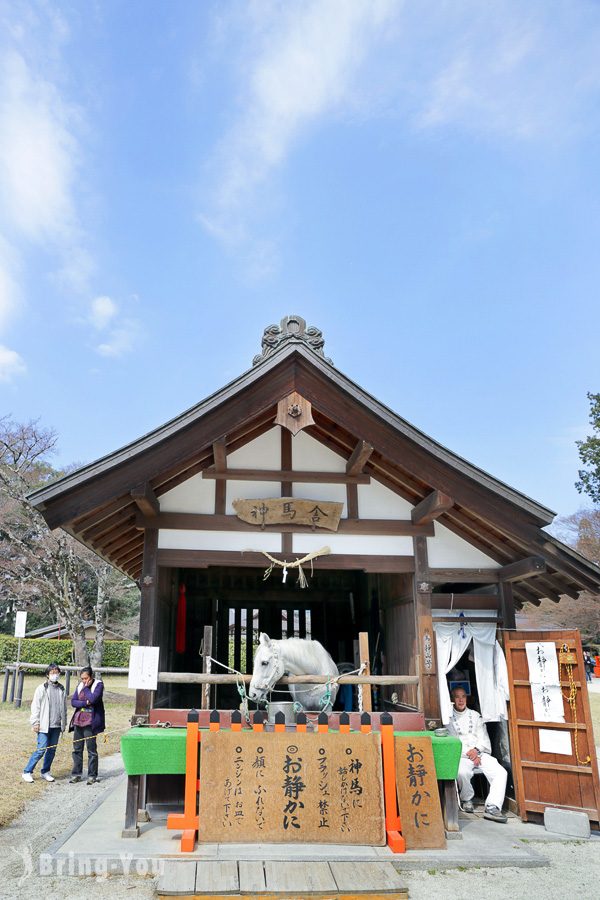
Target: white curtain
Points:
(453, 639)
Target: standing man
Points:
(48, 719)
(87, 722)
(470, 728)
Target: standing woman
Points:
(86, 723)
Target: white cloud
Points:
(37, 154)
(121, 340)
(303, 66)
(11, 364)
(9, 291)
(40, 154)
(509, 71)
(103, 310)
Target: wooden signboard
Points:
(554, 760)
(418, 795)
(289, 787)
(288, 511)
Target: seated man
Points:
(469, 727)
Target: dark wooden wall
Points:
(398, 617)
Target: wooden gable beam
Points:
(359, 458)
(524, 568)
(283, 475)
(220, 456)
(432, 507)
(145, 499)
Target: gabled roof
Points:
(95, 504)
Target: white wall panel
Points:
(353, 543)
(377, 502)
(308, 455)
(448, 550)
(334, 492)
(263, 452)
(172, 539)
(250, 490)
(195, 495)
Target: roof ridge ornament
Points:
(292, 328)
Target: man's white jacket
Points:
(40, 707)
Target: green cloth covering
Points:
(154, 751)
(446, 752)
(161, 751)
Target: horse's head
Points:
(268, 669)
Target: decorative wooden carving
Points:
(294, 413)
(292, 328)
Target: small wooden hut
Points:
(423, 536)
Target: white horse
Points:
(293, 656)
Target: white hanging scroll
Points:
(543, 662)
(546, 694)
(143, 668)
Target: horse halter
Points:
(278, 670)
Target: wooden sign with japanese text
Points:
(289, 787)
(290, 511)
(418, 795)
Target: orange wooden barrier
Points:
(187, 822)
(393, 826)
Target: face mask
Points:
(54, 678)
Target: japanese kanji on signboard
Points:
(418, 795)
(290, 787)
(290, 510)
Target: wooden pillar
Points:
(426, 651)
(287, 538)
(507, 605)
(136, 784)
(363, 654)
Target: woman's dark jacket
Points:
(96, 705)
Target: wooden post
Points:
(363, 653)
(507, 606)
(20, 680)
(13, 684)
(206, 664)
(130, 829)
(68, 682)
(301, 723)
(136, 785)
(393, 826)
(323, 723)
(189, 819)
(426, 651)
(6, 683)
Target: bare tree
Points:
(42, 568)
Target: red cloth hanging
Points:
(181, 617)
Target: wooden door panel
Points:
(551, 779)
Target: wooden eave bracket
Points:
(220, 455)
(523, 568)
(359, 458)
(432, 507)
(145, 499)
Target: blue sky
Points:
(420, 181)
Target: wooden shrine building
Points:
(422, 534)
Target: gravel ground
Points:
(574, 868)
(574, 871)
(43, 821)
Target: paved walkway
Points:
(483, 843)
